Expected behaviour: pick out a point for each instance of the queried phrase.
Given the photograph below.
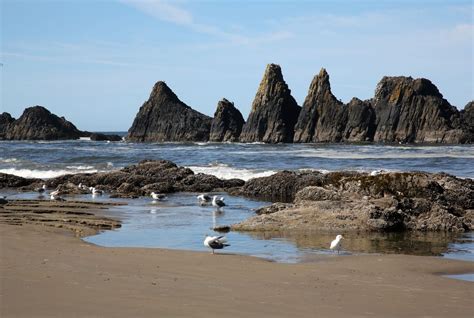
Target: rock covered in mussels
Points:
(274, 111)
(413, 110)
(163, 117)
(227, 122)
(37, 123)
(395, 201)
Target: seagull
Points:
(41, 190)
(336, 243)
(55, 196)
(96, 191)
(82, 186)
(219, 203)
(204, 198)
(215, 242)
(3, 200)
(157, 196)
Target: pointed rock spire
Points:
(165, 118)
(274, 111)
(323, 116)
(227, 122)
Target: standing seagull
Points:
(336, 243)
(157, 196)
(96, 191)
(215, 242)
(41, 190)
(204, 198)
(219, 203)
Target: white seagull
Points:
(41, 190)
(336, 243)
(215, 242)
(157, 196)
(204, 198)
(55, 196)
(82, 186)
(219, 203)
(96, 191)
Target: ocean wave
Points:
(224, 171)
(44, 174)
(9, 160)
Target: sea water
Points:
(180, 223)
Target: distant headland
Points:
(403, 110)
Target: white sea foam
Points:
(85, 138)
(9, 160)
(223, 171)
(44, 174)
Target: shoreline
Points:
(47, 272)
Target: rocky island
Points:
(403, 110)
(38, 123)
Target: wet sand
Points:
(47, 271)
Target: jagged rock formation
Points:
(165, 118)
(227, 122)
(403, 110)
(323, 117)
(413, 110)
(37, 123)
(274, 111)
(5, 120)
(360, 125)
(467, 116)
(344, 201)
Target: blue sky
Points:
(95, 62)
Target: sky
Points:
(96, 61)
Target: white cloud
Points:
(173, 13)
(162, 10)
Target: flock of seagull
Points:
(211, 242)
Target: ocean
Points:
(180, 223)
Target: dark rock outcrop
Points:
(104, 137)
(274, 111)
(323, 117)
(38, 123)
(165, 118)
(12, 181)
(149, 176)
(360, 125)
(467, 117)
(227, 122)
(413, 110)
(358, 201)
(5, 120)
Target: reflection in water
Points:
(181, 223)
(369, 242)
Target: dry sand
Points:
(48, 272)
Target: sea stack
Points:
(37, 123)
(360, 125)
(5, 120)
(163, 117)
(413, 110)
(274, 111)
(227, 122)
(323, 116)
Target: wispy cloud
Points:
(173, 13)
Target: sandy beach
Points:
(49, 272)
